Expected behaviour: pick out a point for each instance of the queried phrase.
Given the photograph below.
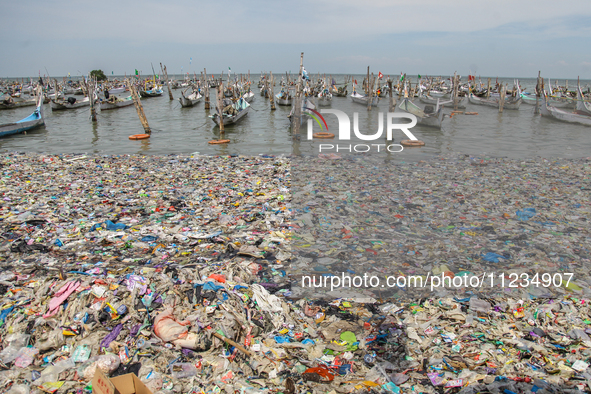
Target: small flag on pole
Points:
(190, 60)
(380, 75)
(137, 72)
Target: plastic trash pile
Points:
(178, 269)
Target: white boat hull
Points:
(63, 104)
(360, 99)
(231, 120)
(434, 119)
(462, 102)
(249, 97)
(531, 100)
(582, 107)
(18, 104)
(125, 102)
(117, 90)
(564, 116)
(510, 103)
(190, 100)
(283, 101)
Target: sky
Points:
(502, 38)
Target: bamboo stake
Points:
(220, 108)
(138, 107)
(167, 83)
(370, 90)
(366, 85)
(206, 87)
(232, 343)
(296, 116)
(455, 90)
(488, 89)
(538, 94)
(271, 93)
(392, 99)
(502, 98)
(90, 89)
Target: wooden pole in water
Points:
(538, 91)
(502, 98)
(390, 94)
(370, 91)
(90, 89)
(271, 93)
(455, 90)
(206, 87)
(297, 112)
(167, 83)
(220, 107)
(366, 84)
(488, 89)
(138, 107)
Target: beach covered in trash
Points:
(187, 271)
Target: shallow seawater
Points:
(514, 134)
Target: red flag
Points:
(355, 82)
(380, 75)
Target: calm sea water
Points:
(515, 134)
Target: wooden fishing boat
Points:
(120, 89)
(154, 92)
(530, 99)
(510, 102)
(561, 115)
(115, 102)
(191, 99)
(363, 99)
(324, 98)
(461, 104)
(232, 112)
(248, 96)
(10, 102)
(439, 94)
(432, 117)
(582, 107)
(283, 98)
(30, 122)
(70, 103)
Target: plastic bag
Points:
(108, 363)
(167, 328)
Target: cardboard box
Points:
(124, 384)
